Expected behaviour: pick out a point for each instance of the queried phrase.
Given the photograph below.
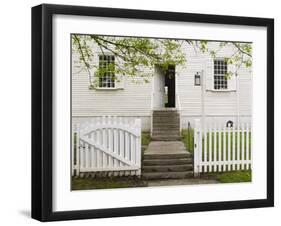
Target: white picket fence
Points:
(107, 146)
(219, 148)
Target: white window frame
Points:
(118, 82)
(107, 77)
(220, 82)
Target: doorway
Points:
(170, 83)
(164, 94)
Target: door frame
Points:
(154, 91)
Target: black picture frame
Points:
(42, 106)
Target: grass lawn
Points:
(104, 183)
(230, 177)
(235, 177)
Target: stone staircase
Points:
(166, 125)
(167, 160)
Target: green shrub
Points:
(188, 139)
(145, 138)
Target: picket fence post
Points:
(138, 145)
(72, 151)
(78, 151)
(197, 147)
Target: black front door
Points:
(170, 84)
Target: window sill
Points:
(220, 90)
(106, 88)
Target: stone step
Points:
(166, 126)
(168, 168)
(167, 175)
(166, 117)
(166, 114)
(158, 162)
(166, 138)
(165, 132)
(164, 129)
(167, 156)
(166, 110)
(166, 123)
(171, 119)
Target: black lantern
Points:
(197, 79)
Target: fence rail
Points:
(219, 148)
(107, 146)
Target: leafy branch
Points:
(137, 56)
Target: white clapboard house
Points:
(199, 89)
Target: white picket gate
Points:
(107, 146)
(219, 148)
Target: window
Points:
(106, 70)
(220, 71)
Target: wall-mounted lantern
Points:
(197, 79)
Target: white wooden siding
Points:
(130, 99)
(136, 99)
(217, 103)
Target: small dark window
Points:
(106, 70)
(220, 70)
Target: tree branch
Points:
(81, 51)
(241, 50)
(127, 47)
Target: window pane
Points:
(220, 69)
(106, 67)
